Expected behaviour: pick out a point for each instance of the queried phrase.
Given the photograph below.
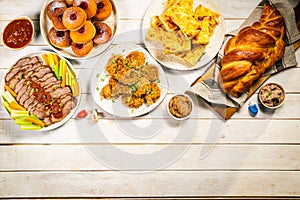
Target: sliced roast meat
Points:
(21, 92)
(19, 85)
(65, 99)
(24, 65)
(31, 92)
(40, 106)
(24, 97)
(59, 92)
(46, 77)
(40, 73)
(39, 110)
(47, 121)
(35, 60)
(39, 91)
(11, 74)
(31, 107)
(28, 75)
(32, 69)
(12, 83)
(22, 62)
(29, 101)
(31, 74)
(47, 82)
(34, 78)
(47, 113)
(20, 75)
(68, 107)
(25, 68)
(39, 114)
(52, 86)
(55, 120)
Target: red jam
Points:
(18, 33)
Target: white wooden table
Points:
(242, 157)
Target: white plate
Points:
(46, 25)
(77, 99)
(211, 50)
(100, 79)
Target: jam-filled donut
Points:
(59, 39)
(57, 18)
(103, 33)
(52, 6)
(73, 18)
(82, 49)
(104, 9)
(70, 2)
(89, 6)
(84, 34)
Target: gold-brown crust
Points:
(84, 34)
(104, 9)
(89, 6)
(60, 39)
(73, 18)
(52, 6)
(251, 52)
(57, 19)
(103, 33)
(82, 49)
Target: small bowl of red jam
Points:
(18, 33)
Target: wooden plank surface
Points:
(175, 184)
(245, 156)
(133, 9)
(233, 132)
(223, 157)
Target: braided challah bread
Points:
(251, 52)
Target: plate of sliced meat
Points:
(40, 91)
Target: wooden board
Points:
(227, 112)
